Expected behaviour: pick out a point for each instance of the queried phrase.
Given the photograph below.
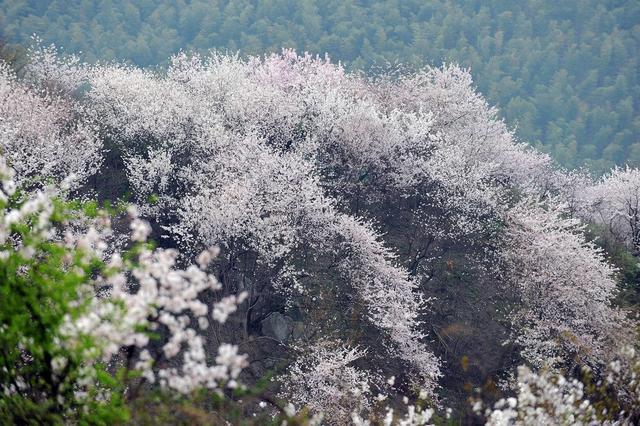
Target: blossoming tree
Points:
(73, 311)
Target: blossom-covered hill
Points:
(375, 228)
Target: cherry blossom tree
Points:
(263, 198)
(565, 289)
(45, 135)
(50, 69)
(614, 203)
(326, 380)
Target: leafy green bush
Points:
(44, 283)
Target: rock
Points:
(257, 369)
(298, 330)
(277, 326)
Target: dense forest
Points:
(564, 74)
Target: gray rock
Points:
(277, 326)
(298, 330)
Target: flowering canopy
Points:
(292, 167)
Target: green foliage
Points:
(43, 283)
(565, 73)
(626, 264)
(15, 56)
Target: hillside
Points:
(349, 248)
(564, 74)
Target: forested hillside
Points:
(330, 249)
(380, 236)
(564, 73)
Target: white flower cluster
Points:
(565, 287)
(409, 415)
(614, 203)
(546, 398)
(42, 136)
(36, 209)
(152, 295)
(389, 294)
(325, 380)
(277, 154)
(48, 69)
(144, 296)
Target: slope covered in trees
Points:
(565, 73)
(384, 246)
